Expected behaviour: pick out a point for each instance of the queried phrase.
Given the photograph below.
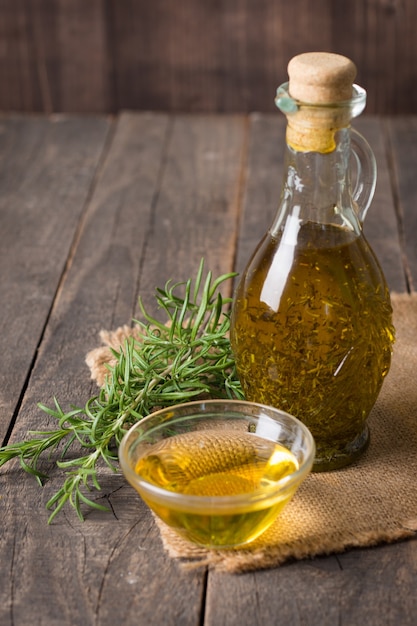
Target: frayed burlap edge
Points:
(373, 526)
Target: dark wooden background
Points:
(196, 55)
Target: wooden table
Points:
(93, 212)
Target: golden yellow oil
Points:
(311, 332)
(218, 463)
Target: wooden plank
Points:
(196, 212)
(47, 167)
(360, 587)
(263, 181)
(99, 290)
(402, 135)
(164, 194)
(109, 569)
(381, 224)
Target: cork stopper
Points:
(321, 77)
(316, 81)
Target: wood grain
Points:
(95, 212)
(402, 135)
(46, 171)
(381, 222)
(110, 55)
(197, 202)
(361, 586)
(263, 180)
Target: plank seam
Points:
(77, 234)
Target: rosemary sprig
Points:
(185, 357)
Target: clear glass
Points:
(311, 325)
(218, 472)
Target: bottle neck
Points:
(316, 187)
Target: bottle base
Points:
(328, 459)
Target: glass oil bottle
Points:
(311, 325)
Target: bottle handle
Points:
(364, 170)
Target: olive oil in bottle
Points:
(312, 335)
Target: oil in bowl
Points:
(218, 472)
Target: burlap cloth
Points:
(371, 502)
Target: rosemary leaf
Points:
(182, 358)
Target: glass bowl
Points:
(218, 472)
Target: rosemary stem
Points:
(174, 362)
